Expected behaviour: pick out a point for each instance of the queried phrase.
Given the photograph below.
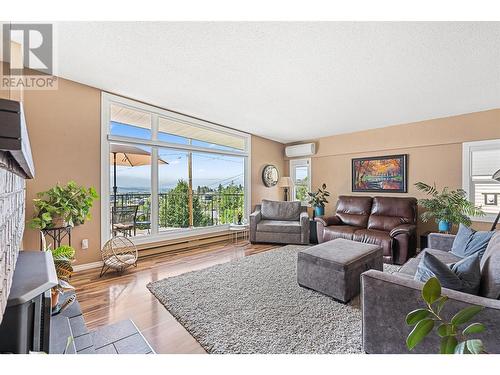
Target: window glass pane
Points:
(300, 174)
(128, 122)
(485, 162)
(130, 198)
(173, 189)
(487, 195)
(218, 184)
(180, 132)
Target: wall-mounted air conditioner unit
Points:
(305, 149)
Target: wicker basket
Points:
(59, 222)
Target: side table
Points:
(313, 233)
(424, 240)
(239, 231)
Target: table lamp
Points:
(285, 183)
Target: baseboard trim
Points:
(172, 246)
(87, 266)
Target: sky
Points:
(208, 169)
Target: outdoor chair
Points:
(143, 218)
(124, 220)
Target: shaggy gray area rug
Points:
(254, 305)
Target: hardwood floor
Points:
(113, 297)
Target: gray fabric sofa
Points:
(387, 298)
(279, 222)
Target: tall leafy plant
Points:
(455, 338)
(70, 202)
(447, 205)
(82, 200)
(318, 198)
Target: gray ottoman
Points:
(334, 267)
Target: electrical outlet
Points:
(85, 244)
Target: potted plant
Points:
(455, 338)
(63, 205)
(318, 200)
(81, 200)
(63, 262)
(447, 207)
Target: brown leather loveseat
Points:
(386, 221)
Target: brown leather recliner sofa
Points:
(386, 221)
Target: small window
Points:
(300, 172)
(480, 161)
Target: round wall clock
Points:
(270, 175)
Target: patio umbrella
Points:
(127, 155)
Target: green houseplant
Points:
(63, 205)
(318, 199)
(447, 207)
(454, 338)
(63, 257)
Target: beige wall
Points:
(265, 151)
(64, 131)
(434, 148)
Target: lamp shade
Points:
(285, 182)
(496, 175)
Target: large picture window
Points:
(480, 161)
(167, 175)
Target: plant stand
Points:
(57, 235)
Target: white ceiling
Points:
(291, 81)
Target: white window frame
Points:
(467, 149)
(106, 100)
(300, 163)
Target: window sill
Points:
(177, 235)
(489, 218)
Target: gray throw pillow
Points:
(463, 276)
(280, 210)
(468, 242)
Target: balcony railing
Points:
(209, 209)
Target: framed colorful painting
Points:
(381, 174)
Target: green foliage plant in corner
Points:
(318, 198)
(455, 339)
(448, 206)
(63, 205)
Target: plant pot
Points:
(59, 222)
(444, 226)
(319, 211)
